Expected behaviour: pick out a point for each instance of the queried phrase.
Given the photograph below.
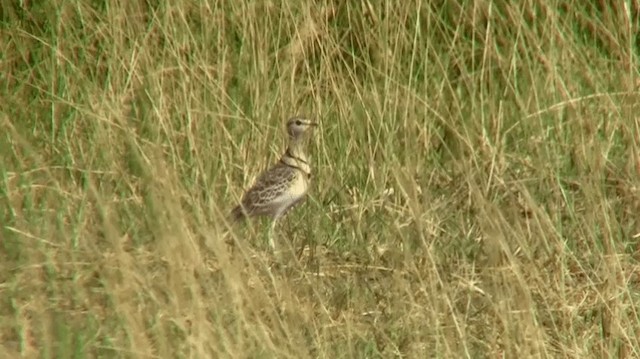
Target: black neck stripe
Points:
(288, 154)
(292, 166)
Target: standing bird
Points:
(283, 185)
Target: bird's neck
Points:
(296, 156)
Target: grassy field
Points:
(476, 190)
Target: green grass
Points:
(475, 192)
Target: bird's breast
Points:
(299, 186)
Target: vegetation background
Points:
(476, 191)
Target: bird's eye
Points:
(298, 122)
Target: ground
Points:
(475, 190)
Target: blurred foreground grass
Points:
(476, 189)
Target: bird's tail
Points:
(237, 214)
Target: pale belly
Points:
(296, 193)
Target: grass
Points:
(475, 190)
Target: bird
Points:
(285, 184)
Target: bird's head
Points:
(297, 127)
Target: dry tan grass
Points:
(476, 191)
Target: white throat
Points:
(295, 156)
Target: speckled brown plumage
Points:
(285, 184)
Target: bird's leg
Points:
(272, 243)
